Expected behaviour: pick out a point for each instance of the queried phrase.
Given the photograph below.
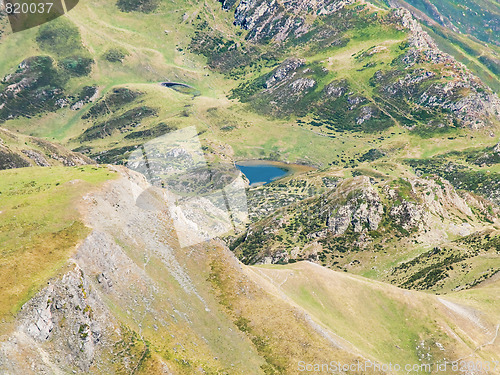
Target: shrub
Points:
(115, 54)
(60, 37)
(144, 6)
(77, 66)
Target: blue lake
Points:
(261, 173)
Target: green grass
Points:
(382, 321)
(157, 50)
(468, 52)
(39, 226)
(153, 56)
(469, 16)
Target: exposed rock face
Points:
(428, 205)
(363, 208)
(68, 314)
(474, 109)
(409, 215)
(228, 4)
(287, 85)
(90, 94)
(37, 157)
(336, 89)
(419, 39)
(366, 114)
(278, 19)
(283, 70)
(15, 152)
(497, 148)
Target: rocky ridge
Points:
(277, 20)
(428, 81)
(474, 108)
(361, 210)
(18, 151)
(130, 292)
(130, 300)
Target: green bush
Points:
(115, 54)
(144, 6)
(77, 66)
(60, 37)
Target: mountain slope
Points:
(354, 67)
(39, 226)
(125, 305)
(401, 186)
(418, 233)
(458, 37)
(342, 302)
(17, 151)
(413, 71)
(128, 303)
(477, 18)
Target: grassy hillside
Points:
(365, 313)
(378, 220)
(18, 150)
(40, 226)
(176, 41)
(403, 190)
(153, 305)
(463, 29)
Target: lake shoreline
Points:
(289, 169)
(295, 168)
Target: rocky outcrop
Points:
(430, 8)
(68, 323)
(362, 208)
(360, 212)
(336, 89)
(419, 39)
(476, 19)
(37, 157)
(89, 94)
(476, 108)
(409, 215)
(286, 88)
(33, 88)
(439, 91)
(18, 151)
(282, 72)
(432, 206)
(279, 19)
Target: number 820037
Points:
(25, 8)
